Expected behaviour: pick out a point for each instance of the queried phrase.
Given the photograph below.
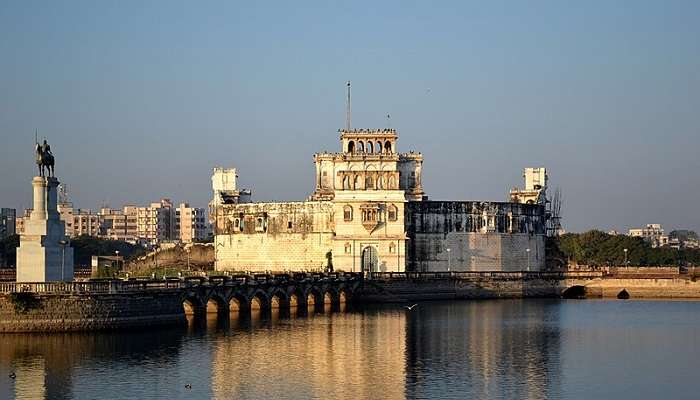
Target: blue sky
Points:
(139, 100)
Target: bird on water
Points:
(13, 375)
(188, 387)
(409, 308)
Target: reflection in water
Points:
(493, 349)
(480, 349)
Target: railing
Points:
(472, 275)
(136, 285)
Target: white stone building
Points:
(369, 212)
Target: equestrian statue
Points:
(44, 159)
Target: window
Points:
(370, 147)
(369, 183)
(347, 213)
(393, 212)
(351, 147)
(392, 248)
(348, 248)
(387, 146)
(360, 147)
(289, 224)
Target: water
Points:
(500, 349)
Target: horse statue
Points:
(44, 159)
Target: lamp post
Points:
(188, 259)
(449, 259)
(625, 250)
(63, 244)
(117, 254)
(528, 259)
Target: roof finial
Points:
(348, 111)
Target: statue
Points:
(44, 158)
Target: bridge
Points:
(140, 301)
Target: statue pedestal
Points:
(44, 253)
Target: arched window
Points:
(356, 184)
(392, 212)
(387, 146)
(380, 182)
(360, 147)
(370, 147)
(351, 147)
(369, 183)
(346, 182)
(379, 147)
(347, 213)
(392, 182)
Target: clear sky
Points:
(139, 100)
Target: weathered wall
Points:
(31, 312)
(273, 236)
(523, 285)
(481, 236)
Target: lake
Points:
(497, 349)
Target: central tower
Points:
(368, 183)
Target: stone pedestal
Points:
(44, 253)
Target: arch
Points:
(370, 147)
(380, 181)
(623, 295)
(238, 303)
(347, 213)
(192, 305)
(392, 212)
(360, 146)
(278, 300)
(314, 300)
(392, 182)
(216, 305)
(387, 147)
(356, 183)
(346, 182)
(369, 183)
(342, 296)
(295, 299)
(379, 147)
(370, 260)
(259, 302)
(351, 146)
(574, 292)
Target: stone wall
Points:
(480, 236)
(36, 312)
(273, 236)
(524, 286)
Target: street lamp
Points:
(625, 250)
(528, 259)
(117, 254)
(63, 244)
(449, 259)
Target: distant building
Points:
(119, 224)
(156, 223)
(79, 222)
(191, 223)
(20, 221)
(8, 218)
(652, 233)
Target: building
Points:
(652, 233)
(191, 223)
(156, 223)
(78, 222)
(369, 212)
(535, 187)
(119, 224)
(224, 185)
(8, 217)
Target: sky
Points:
(140, 100)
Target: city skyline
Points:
(137, 111)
